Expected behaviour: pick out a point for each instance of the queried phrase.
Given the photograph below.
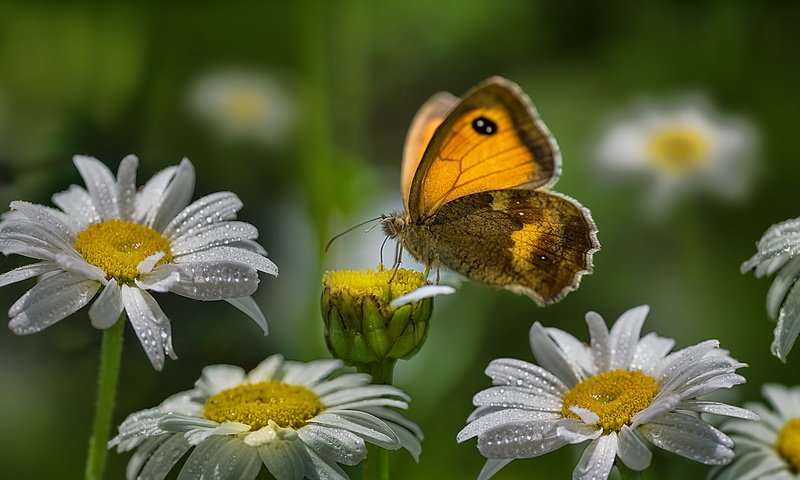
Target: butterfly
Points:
(476, 178)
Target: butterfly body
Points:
(476, 173)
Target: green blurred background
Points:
(108, 80)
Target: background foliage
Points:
(108, 80)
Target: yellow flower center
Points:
(678, 149)
(615, 397)
(788, 444)
(117, 247)
(256, 404)
(373, 282)
(245, 106)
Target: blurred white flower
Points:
(289, 417)
(611, 393)
(778, 251)
(123, 242)
(769, 450)
(243, 105)
(681, 145)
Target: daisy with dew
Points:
(293, 418)
(769, 450)
(614, 392)
(110, 244)
(243, 105)
(778, 252)
(683, 145)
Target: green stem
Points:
(626, 473)
(107, 379)
(377, 465)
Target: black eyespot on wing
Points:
(484, 126)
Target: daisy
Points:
(771, 449)
(243, 105)
(778, 253)
(612, 392)
(123, 243)
(290, 417)
(682, 145)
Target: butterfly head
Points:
(394, 225)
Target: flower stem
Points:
(627, 473)
(377, 465)
(107, 379)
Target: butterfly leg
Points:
(398, 258)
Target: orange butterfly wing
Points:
(492, 140)
(426, 121)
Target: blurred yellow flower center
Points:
(678, 149)
(245, 106)
(371, 282)
(788, 444)
(117, 247)
(615, 397)
(256, 404)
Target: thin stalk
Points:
(377, 466)
(107, 380)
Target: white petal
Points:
(163, 458)
(517, 373)
(77, 265)
(632, 450)
(520, 440)
(598, 459)
(27, 271)
(717, 408)
(348, 380)
(284, 459)
(333, 444)
(215, 235)
(106, 310)
(232, 254)
(650, 350)
(147, 199)
(78, 204)
(249, 307)
(311, 373)
(780, 287)
(101, 185)
(788, 325)
(213, 208)
(689, 437)
(17, 247)
(361, 393)
(575, 431)
(786, 402)
(234, 461)
(161, 279)
(175, 197)
(317, 468)
(662, 404)
(366, 426)
(577, 353)
(216, 378)
(58, 225)
(200, 458)
(492, 466)
(600, 343)
(758, 465)
(426, 291)
(625, 336)
(266, 370)
(150, 324)
(512, 397)
(678, 362)
(53, 299)
(756, 430)
(216, 281)
(126, 187)
(502, 417)
(147, 265)
(587, 416)
(550, 356)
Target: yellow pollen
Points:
(245, 106)
(788, 443)
(117, 247)
(371, 282)
(615, 397)
(290, 406)
(678, 149)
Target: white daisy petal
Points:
(333, 444)
(392, 417)
(249, 307)
(75, 264)
(512, 397)
(148, 198)
(216, 281)
(317, 468)
(408, 440)
(520, 440)
(425, 291)
(756, 465)
(217, 378)
(50, 301)
(757, 431)
(575, 352)
(366, 426)
(58, 225)
(660, 406)
(632, 450)
(231, 254)
(26, 271)
(161, 279)
(502, 417)
(100, 183)
(598, 459)
(163, 459)
(650, 350)
(147, 265)
(215, 235)
(600, 343)
(781, 285)
(234, 461)
(360, 393)
(126, 187)
(788, 326)
(345, 381)
(786, 403)
(576, 431)
(77, 203)
(214, 208)
(492, 466)
(550, 356)
(312, 372)
(105, 311)
(625, 336)
(150, 324)
(587, 416)
(284, 459)
(678, 362)
(200, 458)
(266, 370)
(516, 373)
(689, 437)
(175, 198)
(717, 408)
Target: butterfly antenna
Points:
(328, 245)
